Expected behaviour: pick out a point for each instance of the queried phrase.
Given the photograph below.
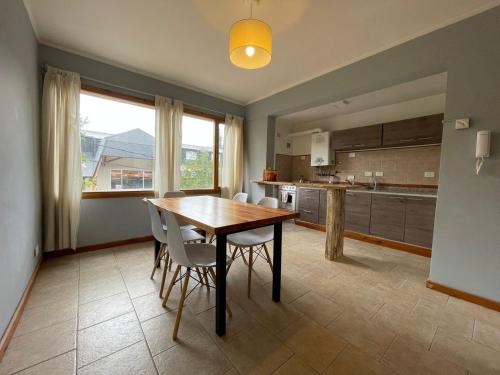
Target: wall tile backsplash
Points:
(398, 166)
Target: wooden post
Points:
(335, 219)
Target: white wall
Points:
(409, 109)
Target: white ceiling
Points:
(420, 88)
(186, 41)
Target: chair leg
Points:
(233, 256)
(158, 259)
(171, 285)
(162, 286)
(212, 238)
(181, 303)
(170, 264)
(250, 262)
(205, 277)
(243, 255)
(228, 309)
(269, 261)
(199, 276)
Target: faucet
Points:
(373, 182)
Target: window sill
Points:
(117, 194)
(141, 193)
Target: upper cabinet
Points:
(357, 138)
(320, 149)
(412, 132)
(424, 130)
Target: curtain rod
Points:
(148, 94)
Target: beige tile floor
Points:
(370, 313)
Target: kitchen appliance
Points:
(287, 196)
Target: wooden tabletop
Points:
(219, 216)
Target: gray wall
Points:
(20, 219)
(107, 220)
(466, 249)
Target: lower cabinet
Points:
(357, 212)
(394, 217)
(419, 220)
(308, 205)
(388, 216)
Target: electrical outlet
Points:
(36, 250)
(302, 157)
(379, 174)
(429, 174)
(352, 154)
(368, 174)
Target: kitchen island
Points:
(335, 214)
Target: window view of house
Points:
(197, 163)
(117, 142)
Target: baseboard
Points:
(106, 245)
(414, 249)
(310, 225)
(14, 321)
(488, 303)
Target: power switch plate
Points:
(352, 154)
(36, 250)
(379, 174)
(429, 174)
(368, 174)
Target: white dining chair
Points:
(189, 256)
(253, 242)
(159, 230)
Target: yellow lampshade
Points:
(250, 44)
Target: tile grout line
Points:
(39, 363)
(138, 320)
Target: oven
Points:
(287, 195)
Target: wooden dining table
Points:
(223, 217)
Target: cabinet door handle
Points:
(349, 193)
(307, 211)
(414, 199)
(422, 138)
(407, 139)
(360, 145)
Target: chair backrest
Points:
(156, 225)
(174, 194)
(269, 202)
(176, 247)
(240, 197)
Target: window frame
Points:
(109, 94)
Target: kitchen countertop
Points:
(319, 185)
(392, 190)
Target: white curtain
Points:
(61, 159)
(232, 157)
(168, 141)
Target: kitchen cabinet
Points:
(357, 212)
(419, 220)
(357, 138)
(387, 218)
(308, 204)
(413, 132)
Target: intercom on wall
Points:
(483, 142)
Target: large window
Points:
(117, 140)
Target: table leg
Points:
(157, 251)
(220, 285)
(277, 262)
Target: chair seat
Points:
(191, 235)
(202, 254)
(253, 237)
(188, 226)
